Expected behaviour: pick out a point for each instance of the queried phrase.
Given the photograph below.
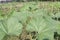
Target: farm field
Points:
(29, 21)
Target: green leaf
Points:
(2, 33)
(14, 27)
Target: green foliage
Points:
(40, 22)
